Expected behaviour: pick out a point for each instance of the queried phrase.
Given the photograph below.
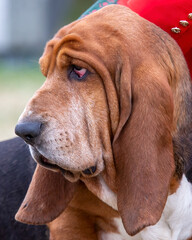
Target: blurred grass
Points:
(17, 85)
(19, 79)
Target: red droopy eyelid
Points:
(80, 71)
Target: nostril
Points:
(93, 169)
(90, 171)
(29, 137)
(28, 130)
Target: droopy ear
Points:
(143, 148)
(48, 195)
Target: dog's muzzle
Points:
(71, 175)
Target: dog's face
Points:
(75, 126)
(115, 95)
(71, 110)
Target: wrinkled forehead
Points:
(91, 36)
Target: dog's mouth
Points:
(72, 176)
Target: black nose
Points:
(28, 131)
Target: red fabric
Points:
(166, 14)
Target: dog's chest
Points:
(175, 223)
(160, 231)
(178, 211)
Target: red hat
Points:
(173, 16)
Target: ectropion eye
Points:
(78, 73)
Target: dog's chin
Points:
(44, 162)
(72, 176)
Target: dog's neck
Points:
(99, 187)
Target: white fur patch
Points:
(107, 195)
(178, 211)
(175, 222)
(111, 236)
(122, 232)
(29, 113)
(160, 231)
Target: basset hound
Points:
(110, 130)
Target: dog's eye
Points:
(78, 73)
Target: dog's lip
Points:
(43, 161)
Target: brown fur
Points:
(92, 218)
(127, 118)
(175, 182)
(54, 188)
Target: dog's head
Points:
(113, 99)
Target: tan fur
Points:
(126, 118)
(93, 218)
(175, 182)
(45, 185)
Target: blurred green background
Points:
(25, 27)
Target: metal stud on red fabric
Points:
(176, 30)
(184, 23)
(190, 16)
